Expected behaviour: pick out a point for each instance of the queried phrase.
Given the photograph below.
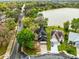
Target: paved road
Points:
(16, 54)
(50, 56)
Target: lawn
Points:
(48, 30)
(68, 48)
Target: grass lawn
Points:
(30, 51)
(68, 48)
(2, 50)
(48, 30)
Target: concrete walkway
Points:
(43, 49)
(54, 49)
(54, 46)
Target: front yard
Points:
(68, 48)
(49, 29)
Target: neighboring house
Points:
(57, 38)
(42, 39)
(74, 39)
(41, 34)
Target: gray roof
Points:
(74, 37)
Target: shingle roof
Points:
(57, 32)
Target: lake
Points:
(56, 17)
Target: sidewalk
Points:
(54, 49)
(77, 52)
(43, 49)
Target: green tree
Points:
(3, 7)
(26, 38)
(29, 23)
(12, 13)
(66, 26)
(10, 23)
(26, 21)
(32, 12)
(75, 24)
(41, 21)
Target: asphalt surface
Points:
(49, 57)
(15, 53)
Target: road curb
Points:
(24, 52)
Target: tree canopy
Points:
(41, 21)
(75, 24)
(29, 23)
(10, 23)
(66, 26)
(26, 38)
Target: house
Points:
(56, 39)
(74, 39)
(41, 34)
(42, 40)
(57, 36)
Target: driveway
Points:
(50, 56)
(43, 49)
(54, 49)
(54, 46)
